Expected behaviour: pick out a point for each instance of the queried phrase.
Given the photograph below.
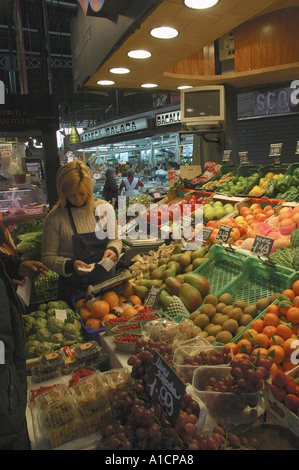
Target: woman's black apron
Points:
(88, 248)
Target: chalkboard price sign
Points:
(166, 388)
(262, 245)
(224, 233)
(152, 297)
(204, 234)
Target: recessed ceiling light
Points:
(149, 85)
(183, 87)
(120, 70)
(139, 54)
(105, 82)
(200, 4)
(164, 32)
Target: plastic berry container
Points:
(126, 342)
(88, 352)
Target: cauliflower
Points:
(62, 305)
(55, 325)
(50, 312)
(40, 323)
(71, 331)
(58, 338)
(43, 335)
(40, 314)
(44, 347)
(42, 307)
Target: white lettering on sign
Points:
(280, 101)
(2, 92)
(294, 92)
(108, 131)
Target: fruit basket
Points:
(131, 327)
(258, 280)
(186, 359)
(234, 408)
(221, 267)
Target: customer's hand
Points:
(33, 268)
(110, 254)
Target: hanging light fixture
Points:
(200, 4)
(74, 136)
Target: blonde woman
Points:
(77, 232)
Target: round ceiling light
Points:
(105, 82)
(164, 32)
(200, 4)
(120, 70)
(183, 87)
(149, 85)
(139, 54)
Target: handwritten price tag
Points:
(224, 233)
(152, 297)
(262, 245)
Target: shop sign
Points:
(125, 127)
(165, 119)
(280, 101)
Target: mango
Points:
(199, 282)
(190, 296)
(173, 284)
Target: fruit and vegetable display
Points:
(211, 169)
(217, 183)
(237, 184)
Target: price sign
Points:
(262, 245)
(297, 148)
(152, 297)
(165, 387)
(275, 150)
(186, 222)
(226, 156)
(204, 234)
(224, 233)
(243, 158)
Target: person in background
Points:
(75, 237)
(13, 372)
(130, 184)
(172, 166)
(110, 190)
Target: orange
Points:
(134, 299)
(269, 330)
(80, 303)
(276, 339)
(270, 319)
(244, 346)
(127, 289)
(129, 312)
(295, 287)
(287, 364)
(290, 346)
(272, 309)
(233, 347)
(111, 298)
(260, 351)
(293, 314)
(257, 325)
(93, 323)
(109, 316)
(249, 333)
(85, 314)
(289, 293)
(261, 340)
(284, 331)
(279, 353)
(99, 309)
(139, 308)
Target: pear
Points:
(198, 262)
(153, 266)
(141, 291)
(165, 299)
(163, 261)
(155, 282)
(189, 268)
(199, 253)
(177, 250)
(169, 272)
(175, 258)
(144, 282)
(185, 259)
(157, 273)
(175, 264)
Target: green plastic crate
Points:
(258, 280)
(221, 268)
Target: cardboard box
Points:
(286, 417)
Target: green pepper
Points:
(283, 183)
(270, 189)
(296, 172)
(295, 181)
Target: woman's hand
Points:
(33, 268)
(80, 267)
(110, 254)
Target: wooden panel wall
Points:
(201, 63)
(267, 41)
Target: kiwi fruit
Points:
(227, 309)
(208, 327)
(216, 317)
(208, 309)
(245, 320)
(240, 304)
(220, 320)
(211, 339)
(262, 304)
(215, 330)
(236, 314)
(204, 334)
(274, 297)
(193, 315)
(226, 298)
(231, 325)
(240, 329)
(224, 337)
(219, 307)
(202, 321)
(250, 310)
(211, 299)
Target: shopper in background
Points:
(13, 373)
(74, 237)
(110, 190)
(130, 184)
